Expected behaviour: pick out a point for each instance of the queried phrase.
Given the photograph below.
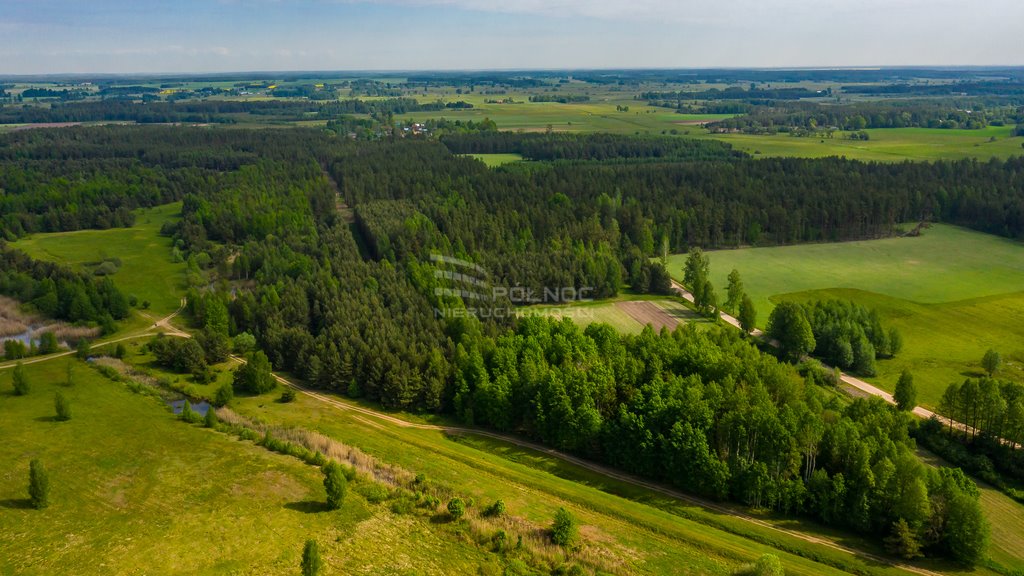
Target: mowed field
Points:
(885, 145)
(952, 292)
(135, 491)
(147, 270)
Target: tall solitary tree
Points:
(335, 483)
(748, 314)
(734, 292)
(905, 393)
(38, 485)
(991, 361)
(311, 563)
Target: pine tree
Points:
(38, 485)
(210, 421)
(903, 541)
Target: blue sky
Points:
(62, 36)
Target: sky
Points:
(157, 36)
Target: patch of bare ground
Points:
(649, 313)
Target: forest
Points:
(211, 111)
(806, 118)
(358, 307)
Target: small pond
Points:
(197, 407)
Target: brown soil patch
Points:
(649, 313)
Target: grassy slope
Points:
(133, 489)
(146, 267)
(953, 293)
(650, 533)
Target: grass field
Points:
(885, 145)
(953, 293)
(134, 491)
(147, 270)
(495, 160)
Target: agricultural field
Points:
(952, 293)
(885, 145)
(132, 486)
(628, 314)
(147, 270)
(592, 116)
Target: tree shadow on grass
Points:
(308, 507)
(16, 503)
(974, 373)
(46, 419)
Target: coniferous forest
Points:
(321, 248)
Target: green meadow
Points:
(953, 294)
(495, 160)
(147, 269)
(885, 145)
(131, 486)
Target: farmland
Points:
(628, 314)
(885, 145)
(953, 293)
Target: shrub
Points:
(374, 493)
(311, 559)
(495, 510)
(564, 530)
(288, 395)
(38, 485)
(21, 384)
(224, 395)
(62, 406)
(456, 508)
